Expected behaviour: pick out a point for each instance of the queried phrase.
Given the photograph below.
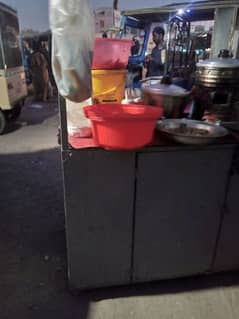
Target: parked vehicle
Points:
(12, 76)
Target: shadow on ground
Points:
(12, 126)
(173, 286)
(33, 113)
(32, 239)
(32, 246)
(37, 112)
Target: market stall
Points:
(165, 209)
(160, 212)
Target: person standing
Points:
(51, 83)
(40, 74)
(154, 61)
(26, 60)
(136, 47)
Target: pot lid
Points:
(219, 63)
(164, 89)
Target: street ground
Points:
(33, 275)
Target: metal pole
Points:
(63, 121)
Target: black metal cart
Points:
(160, 212)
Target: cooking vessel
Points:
(222, 71)
(171, 97)
(215, 132)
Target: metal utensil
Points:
(151, 78)
(171, 97)
(214, 132)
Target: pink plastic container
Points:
(111, 54)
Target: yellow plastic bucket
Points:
(108, 85)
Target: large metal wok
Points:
(191, 132)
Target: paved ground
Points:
(32, 245)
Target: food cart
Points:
(163, 211)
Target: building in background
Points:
(29, 33)
(106, 18)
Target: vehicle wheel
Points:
(3, 122)
(15, 113)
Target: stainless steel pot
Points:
(169, 96)
(218, 72)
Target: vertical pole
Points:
(2, 51)
(235, 44)
(63, 121)
(225, 22)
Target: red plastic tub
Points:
(123, 127)
(111, 54)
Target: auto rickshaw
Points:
(13, 86)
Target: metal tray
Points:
(214, 131)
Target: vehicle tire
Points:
(3, 122)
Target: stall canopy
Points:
(199, 10)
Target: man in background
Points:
(154, 61)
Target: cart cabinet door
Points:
(227, 257)
(178, 207)
(99, 190)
